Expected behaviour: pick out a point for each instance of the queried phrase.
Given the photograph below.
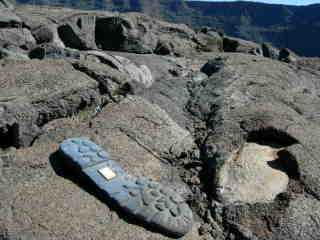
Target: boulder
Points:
(210, 41)
(175, 46)
(140, 74)
(19, 37)
(138, 33)
(121, 34)
(161, 67)
(112, 82)
(141, 70)
(288, 56)
(47, 34)
(213, 66)
(270, 51)
(231, 44)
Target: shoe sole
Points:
(149, 201)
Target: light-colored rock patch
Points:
(247, 176)
(140, 74)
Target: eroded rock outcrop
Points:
(141, 34)
(34, 92)
(257, 100)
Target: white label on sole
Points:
(107, 173)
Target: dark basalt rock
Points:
(286, 55)
(140, 34)
(239, 45)
(163, 48)
(213, 66)
(78, 31)
(270, 51)
(54, 52)
(116, 33)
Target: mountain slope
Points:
(295, 27)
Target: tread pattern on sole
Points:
(149, 201)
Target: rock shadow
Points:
(109, 33)
(70, 38)
(62, 169)
(287, 163)
(9, 136)
(271, 137)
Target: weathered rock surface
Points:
(250, 175)
(8, 18)
(312, 63)
(236, 134)
(257, 100)
(34, 92)
(135, 133)
(302, 220)
(6, 4)
(20, 37)
(161, 67)
(141, 34)
(210, 41)
(12, 54)
(296, 219)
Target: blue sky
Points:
(288, 2)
